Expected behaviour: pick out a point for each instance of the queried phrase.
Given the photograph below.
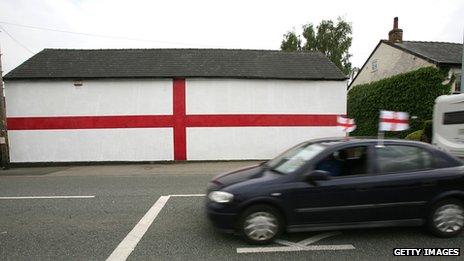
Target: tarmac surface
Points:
(91, 212)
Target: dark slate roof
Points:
(441, 53)
(164, 63)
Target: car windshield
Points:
(295, 157)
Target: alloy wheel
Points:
(261, 226)
(449, 218)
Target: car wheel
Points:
(260, 224)
(447, 218)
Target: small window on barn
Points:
(374, 66)
(78, 83)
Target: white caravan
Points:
(448, 124)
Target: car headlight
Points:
(220, 196)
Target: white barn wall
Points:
(241, 96)
(94, 98)
(249, 142)
(154, 97)
(141, 144)
(238, 96)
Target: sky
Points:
(238, 24)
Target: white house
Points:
(169, 104)
(395, 56)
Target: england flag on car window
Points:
(346, 124)
(393, 121)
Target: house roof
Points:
(440, 53)
(168, 63)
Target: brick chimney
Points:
(396, 34)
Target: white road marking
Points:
(47, 197)
(316, 238)
(307, 241)
(188, 195)
(129, 243)
(288, 243)
(303, 245)
(293, 248)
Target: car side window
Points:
(399, 158)
(345, 162)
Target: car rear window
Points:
(399, 158)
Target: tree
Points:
(291, 42)
(332, 39)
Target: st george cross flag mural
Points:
(393, 121)
(346, 124)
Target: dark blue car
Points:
(341, 183)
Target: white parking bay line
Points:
(245, 250)
(47, 197)
(129, 243)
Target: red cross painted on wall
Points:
(179, 121)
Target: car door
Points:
(339, 200)
(406, 180)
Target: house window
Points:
(374, 66)
(457, 83)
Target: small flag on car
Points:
(346, 124)
(393, 121)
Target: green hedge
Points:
(414, 92)
(417, 135)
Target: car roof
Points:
(365, 140)
(340, 142)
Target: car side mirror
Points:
(317, 175)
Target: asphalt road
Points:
(92, 228)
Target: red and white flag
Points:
(346, 124)
(393, 121)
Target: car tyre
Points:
(446, 218)
(260, 224)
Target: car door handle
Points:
(364, 189)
